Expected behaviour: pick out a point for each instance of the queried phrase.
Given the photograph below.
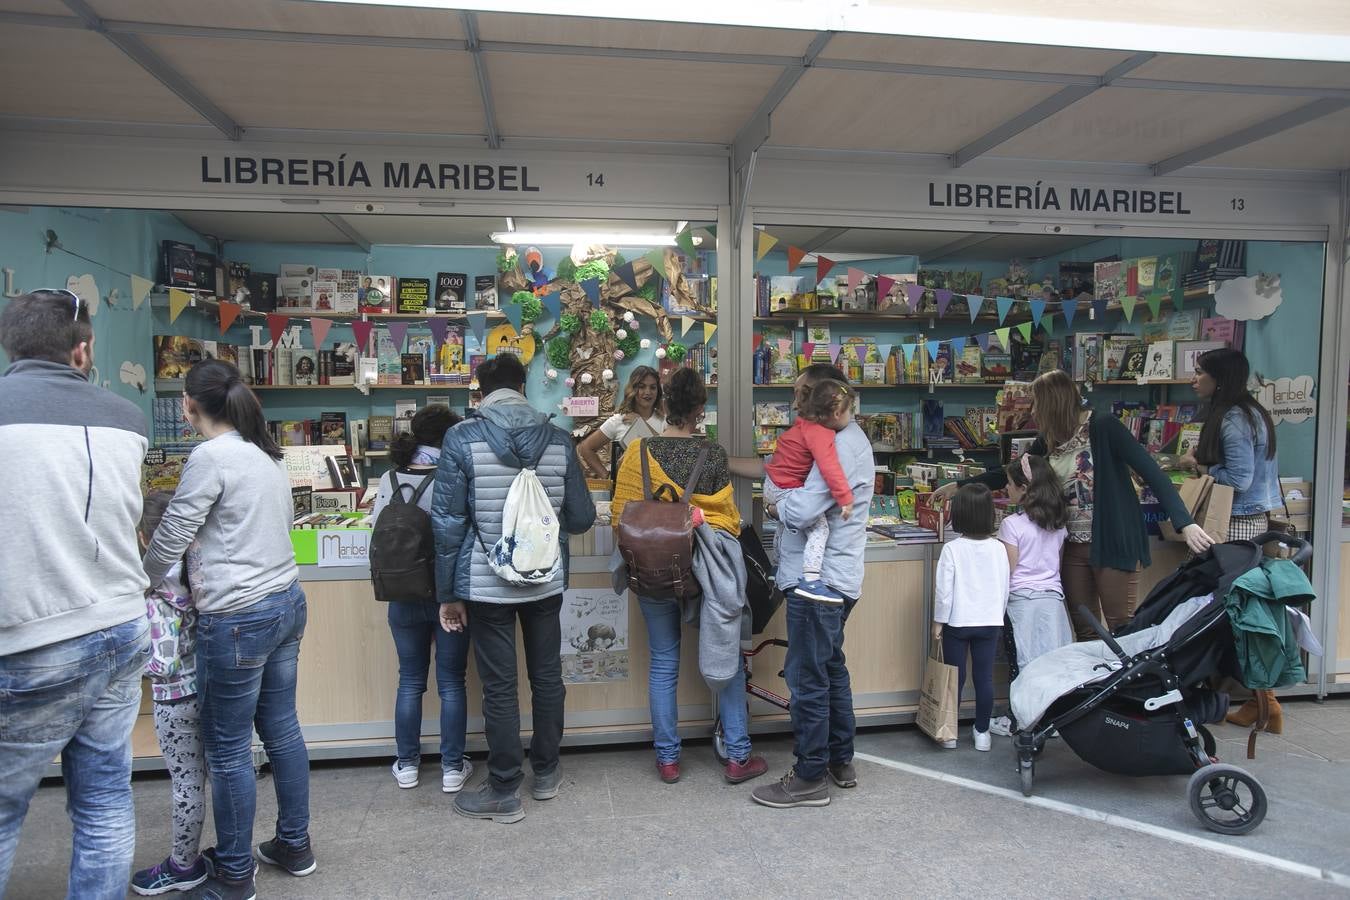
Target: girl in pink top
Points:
(826, 410)
(1034, 538)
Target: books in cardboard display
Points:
(414, 295)
(376, 293)
(485, 292)
(450, 292)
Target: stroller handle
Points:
(1302, 549)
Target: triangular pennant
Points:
(685, 241)
(1070, 308)
(1037, 310)
(685, 324)
(855, 277)
(859, 352)
(834, 352)
(885, 351)
(795, 256)
(1048, 324)
(756, 340)
(884, 285)
(983, 341)
(320, 328)
(823, 267)
(398, 333)
(933, 350)
(515, 315)
(915, 294)
(763, 244)
(808, 349)
(712, 231)
(976, 303)
(709, 329)
(1176, 297)
(944, 299)
(1002, 335)
(627, 275)
(361, 331)
(1004, 304)
(658, 260)
(477, 326)
(958, 346)
(1127, 306)
(909, 351)
(1154, 304)
(553, 303)
(1099, 309)
(276, 324)
(178, 301)
(228, 313)
(592, 288)
(1025, 330)
(140, 289)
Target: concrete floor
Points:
(615, 830)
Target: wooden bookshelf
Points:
(175, 386)
(203, 300)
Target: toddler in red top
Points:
(826, 409)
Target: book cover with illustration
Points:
(1158, 366)
(376, 293)
(970, 367)
(413, 368)
(388, 356)
(295, 292)
(1110, 280)
(325, 296)
(304, 368)
(1113, 354)
(343, 368)
(333, 428)
(381, 432)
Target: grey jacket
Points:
(479, 460)
(719, 567)
(70, 564)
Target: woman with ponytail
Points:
(234, 500)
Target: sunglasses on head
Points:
(74, 299)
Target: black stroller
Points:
(1145, 711)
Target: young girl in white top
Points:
(970, 593)
(641, 415)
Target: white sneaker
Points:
(982, 740)
(406, 776)
(1002, 726)
(453, 780)
(948, 745)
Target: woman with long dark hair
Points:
(641, 415)
(1237, 448)
(235, 501)
(415, 623)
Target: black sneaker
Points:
(487, 802)
(299, 861)
(165, 877)
(209, 857)
(224, 889)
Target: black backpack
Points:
(761, 590)
(402, 548)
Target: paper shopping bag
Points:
(1193, 492)
(937, 702)
(1214, 516)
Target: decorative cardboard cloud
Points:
(133, 374)
(86, 289)
(1249, 298)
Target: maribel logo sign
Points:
(1041, 197)
(347, 173)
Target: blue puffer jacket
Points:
(479, 460)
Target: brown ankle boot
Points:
(1275, 725)
(1245, 715)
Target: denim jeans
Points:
(663, 637)
(494, 649)
(822, 699)
(77, 698)
(416, 628)
(246, 671)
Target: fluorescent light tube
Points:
(571, 238)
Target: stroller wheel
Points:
(1227, 799)
(719, 743)
(1026, 768)
(1207, 741)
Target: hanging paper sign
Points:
(276, 324)
(983, 341)
(1025, 330)
(320, 328)
(958, 346)
(685, 324)
(1037, 310)
(514, 314)
(944, 299)
(763, 244)
(976, 303)
(1127, 306)
(933, 350)
(228, 313)
(855, 277)
(909, 351)
(592, 288)
(140, 289)
(627, 275)
(1070, 308)
(823, 267)
(398, 333)
(795, 256)
(438, 329)
(361, 331)
(581, 407)
(685, 241)
(709, 329)
(178, 301)
(1154, 304)
(1004, 304)
(1099, 309)
(1002, 335)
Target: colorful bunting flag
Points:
(855, 277)
(320, 328)
(685, 241)
(553, 303)
(808, 348)
(823, 267)
(276, 324)
(438, 328)
(1025, 329)
(884, 285)
(658, 260)
(909, 351)
(983, 341)
(763, 244)
(915, 294)
(885, 350)
(1070, 308)
(592, 288)
(178, 301)
(1127, 306)
(477, 326)
(1048, 325)
(398, 333)
(976, 303)
(1037, 310)
(1154, 304)
(515, 315)
(834, 352)
(685, 324)
(228, 313)
(795, 256)
(755, 341)
(709, 329)
(140, 289)
(958, 346)
(627, 275)
(1002, 335)
(1004, 304)
(1099, 310)
(361, 331)
(944, 299)
(933, 350)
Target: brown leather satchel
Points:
(656, 537)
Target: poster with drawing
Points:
(594, 636)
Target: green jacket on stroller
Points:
(1263, 632)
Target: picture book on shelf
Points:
(413, 368)
(333, 428)
(1228, 331)
(1158, 364)
(969, 368)
(343, 364)
(1113, 356)
(381, 432)
(1109, 280)
(295, 293)
(376, 293)
(773, 413)
(1132, 363)
(325, 295)
(1184, 325)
